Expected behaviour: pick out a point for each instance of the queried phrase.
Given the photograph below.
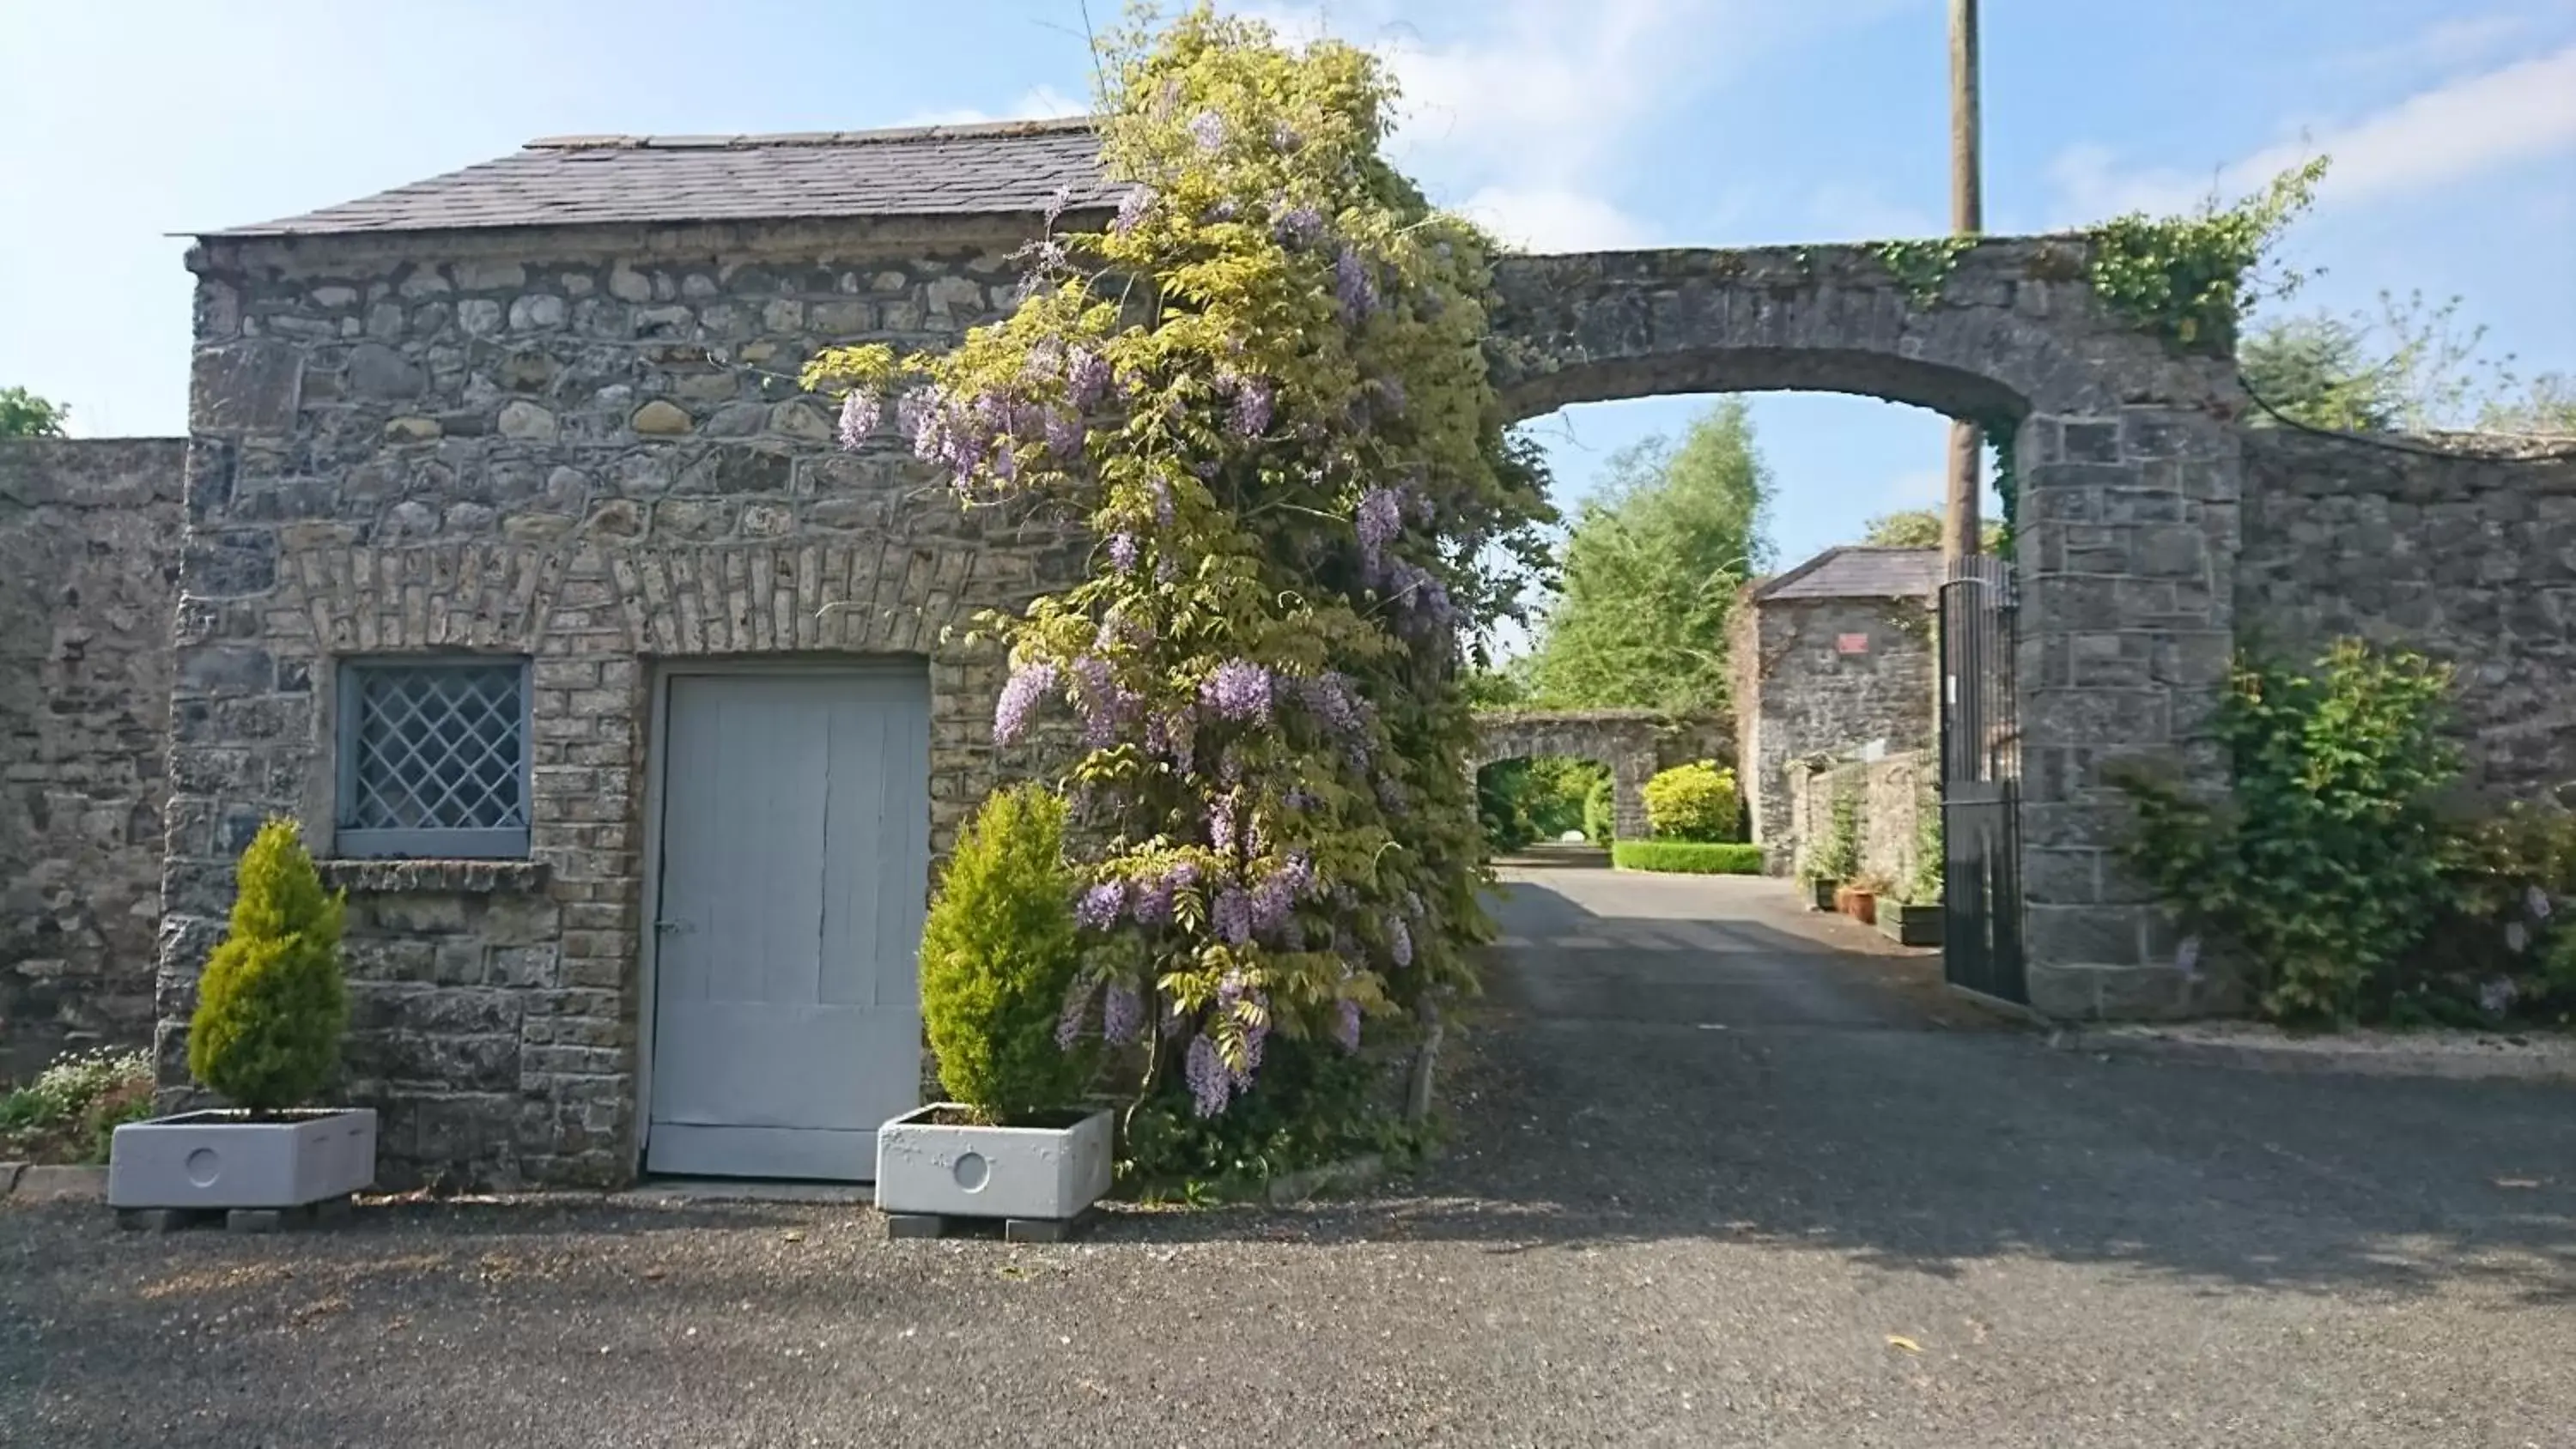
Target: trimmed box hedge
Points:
(1688, 857)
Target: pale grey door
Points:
(795, 856)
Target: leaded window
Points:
(433, 758)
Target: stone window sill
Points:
(436, 877)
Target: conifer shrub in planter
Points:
(1833, 858)
(1914, 919)
(1000, 959)
(271, 1008)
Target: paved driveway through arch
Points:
(1714, 1181)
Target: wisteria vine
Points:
(1258, 382)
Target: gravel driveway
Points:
(1716, 1180)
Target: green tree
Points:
(2411, 367)
(1920, 528)
(1651, 571)
(999, 958)
(271, 1005)
(2547, 405)
(25, 415)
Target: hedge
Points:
(1688, 857)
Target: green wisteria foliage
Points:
(1260, 386)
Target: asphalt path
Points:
(1721, 1173)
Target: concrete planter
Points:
(1910, 925)
(925, 1165)
(225, 1159)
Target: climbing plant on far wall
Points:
(2190, 278)
(1259, 387)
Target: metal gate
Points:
(1981, 947)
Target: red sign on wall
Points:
(1851, 644)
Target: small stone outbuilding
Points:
(1833, 658)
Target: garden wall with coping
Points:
(1816, 695)
(2462, 546)
(1891, 792)
(89, 554)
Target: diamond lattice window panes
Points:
(433, 758)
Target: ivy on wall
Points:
(2189, 278)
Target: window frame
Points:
(423, 842)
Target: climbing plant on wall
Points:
(2190, 278)
(1259, 386)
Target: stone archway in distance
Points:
(1623, 739)
(2128, 479)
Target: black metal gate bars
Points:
(1981, 947)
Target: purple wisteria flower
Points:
(1334, 701)
(2516, 937)
(1379, 517)
(1100, 907)
(1232, 915)
(1062, 431)
(1299, 225)
(2187, 956)
(1399, 941)
(859, 414)
(1232, 994)
(1346, 1030)
(1210, 1083)
(1279, 892)
(1106, 705)
(1122, 1014)
(1388, 398)
(1122, 552)
(1207, 128)
(1028, 685)
(1221, 826)
(1353, 286)
(1238, 690)
(1285, 137)
(1131, 209)
(1162, 503)
(1226, 209)
(1077, 1005)
(1249, 417)
(2496, 997)
(1087, 378)
(2536, 901)
(1173, 736)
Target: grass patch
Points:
(1688, 857)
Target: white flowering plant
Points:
(1260, 385)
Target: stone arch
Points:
(2128, 478)
(1629, 741)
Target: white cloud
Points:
(1040, 103)
(2498, 118)
(1555, 219)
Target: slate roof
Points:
(1856, 571)
(1002, 168)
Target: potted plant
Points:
(1916, 920)
(271, 1008)
(1834, 857)
(1859, 898)
(999, 953)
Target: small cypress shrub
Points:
(999, 956)
(1600, 812)
(271, 1006)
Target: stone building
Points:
(621, 699)
(1832, 658)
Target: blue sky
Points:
(1560, 123)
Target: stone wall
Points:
(1813, 700)
(1892, 792)
(1634, 743)
(88, 562)
(2468, 555)
(584, 446)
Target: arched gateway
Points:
(1626, 740)
(2127, 478)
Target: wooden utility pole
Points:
(1961, 528)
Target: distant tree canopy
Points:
(2410, 368)
(1652, 565)
(1920, 528)
(25, 415)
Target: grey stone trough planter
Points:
(227, 1159)
(1910, 925)
(948, 1169)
